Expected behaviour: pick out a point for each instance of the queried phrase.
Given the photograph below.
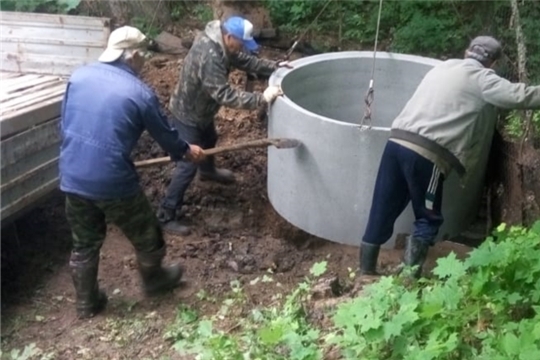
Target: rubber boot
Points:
(369, 255)
(208, 172)
(167, 218)
(415, 254)
(157, 279)
(90, 300)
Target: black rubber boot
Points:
(208, 172)
(167, 218)
(415, 254)
(157, 279)
(369, 255)
(90, 300)
(222, 176)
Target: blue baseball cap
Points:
(241, 29)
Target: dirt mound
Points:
(213, 207)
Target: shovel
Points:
(278, 143)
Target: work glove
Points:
(284, 64)
(271, 93)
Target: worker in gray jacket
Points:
(202, 89)
(437, 132)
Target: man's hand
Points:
(271, 93)
(194, 154)
(285, 64)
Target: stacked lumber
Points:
(28, 99)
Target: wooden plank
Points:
(9, 185)
(4, 75)
(20, 146)
(13, 82)
(31, 161)
(22, 83)
(43, 64)
(21, 41)
(16, 88)
(31, 116)
(29, 196)
(42, 83)
(22, 102)
(53, 19)
(50, 43)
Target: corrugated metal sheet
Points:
(50, 43)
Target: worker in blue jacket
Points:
(106, 108)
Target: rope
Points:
(368, 100)
(155, 13)
(295, 44)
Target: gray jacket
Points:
(453, 109)
(203, 85)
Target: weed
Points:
(484, 307)
(203, 12)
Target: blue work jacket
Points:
(105, 109)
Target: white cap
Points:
(125, 37)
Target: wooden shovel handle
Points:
(208, 152)
(236, 147)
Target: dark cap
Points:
(484, 48)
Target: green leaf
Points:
(536, 228)
(513, 298)
(205, 328)
(536, 330)
(450, 266)
(69, 4)
(510, 344)
(318, 268)
(271, 335)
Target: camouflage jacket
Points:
(203, 85)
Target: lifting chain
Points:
(368, 100)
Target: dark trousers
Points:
(405, 176)
(185, 171)
(133, 215)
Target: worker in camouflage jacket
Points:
(202, 89)
(437, 132)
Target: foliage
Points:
(203, 12)
(145, 25)
(45, 6)
(30, 351)
(486, 307)
(515, 125)
(278, 332)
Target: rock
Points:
(326, 288)
(167, 43)
(233, 265)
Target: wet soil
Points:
(237, 236)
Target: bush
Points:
(486, 307)
(45, 6)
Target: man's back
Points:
(454, 106)
(190, 102)
(447, 102)
(101, 123)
